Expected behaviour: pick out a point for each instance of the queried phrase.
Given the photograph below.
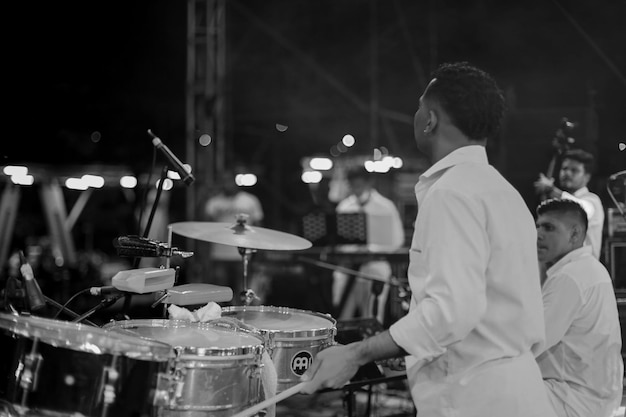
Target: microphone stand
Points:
(128, 297)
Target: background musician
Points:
(574, 175)
(358, 297)
(224, 206)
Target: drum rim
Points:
(212, 351)
(50, 331)
(321, 332)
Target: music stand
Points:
(329, 229)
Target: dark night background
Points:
(118, 68)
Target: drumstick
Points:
(273, 400)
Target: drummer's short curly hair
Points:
(470, 97)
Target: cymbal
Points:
(240, 235)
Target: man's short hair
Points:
(470, 97)
(583, 157)
(564, 207)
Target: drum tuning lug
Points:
(110, 377)
(271, 342)
(162, 391)
(254, 372)
(248, 296)
(32, 365)
(178, 382)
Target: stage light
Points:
(168, 184)
(205, 140)
(15, 170)
(311, 177)
(245, 180)
(94, 181)
(76, 184)
(96, 136)
(348, 140)
(128, 181)
(22, 179)
(321, 164)
(381, 167)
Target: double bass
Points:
(561, 142)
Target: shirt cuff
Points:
(411, 335)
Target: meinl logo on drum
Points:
(300, 362)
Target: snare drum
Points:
(292, 337)
(58, 368)
(217, 369)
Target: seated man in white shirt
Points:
(581, 362)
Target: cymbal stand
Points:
(247, 296)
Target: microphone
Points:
(616, 175)
(136, 246)
(106, 290)
(185, 175)
(36, 299)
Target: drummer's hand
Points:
(332, 368)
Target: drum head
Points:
(195, 338)
(84, 338)
(283, 321)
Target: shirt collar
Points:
(465, 154)
(581, 191)
(570, 257)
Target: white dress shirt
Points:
(581, 362)
(592, 205)
(384, 226)
(476, 310)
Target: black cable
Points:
(72, 298)
(103, 304)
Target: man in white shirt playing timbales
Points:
(581, 361)
(476, 310)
